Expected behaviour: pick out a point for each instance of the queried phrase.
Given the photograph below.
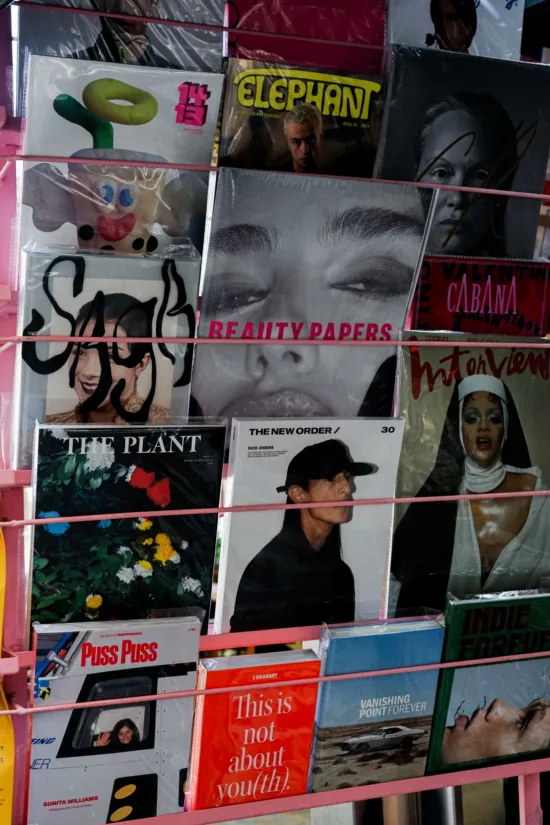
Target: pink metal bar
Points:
(537, 343)
(343, 677)
(255, 508)
(160, 21)
(210, 816)
(530, 812)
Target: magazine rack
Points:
(16, 661)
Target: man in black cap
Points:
(299, 577)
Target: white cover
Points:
(254, 476)
(498, 34)
(47, 133)
(38, 396)
(79, 785)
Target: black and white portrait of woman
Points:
(468, 139)
(453, 121)
(484, 544)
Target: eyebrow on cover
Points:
(364, 223)
(243, 237)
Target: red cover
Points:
(482, 296)
(346, 21)
(251, 745)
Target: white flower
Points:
(126, 574)
(175, 558)
(130, 471)
(99, 461)
(61, 435)
(123, 550)
(144, 572)
(190, 584)
(184, 545)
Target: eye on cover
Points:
(297, 256)
(473, 122)
(475, 423)
(495, 713)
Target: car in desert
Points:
(389, 737)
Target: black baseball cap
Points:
(323, 460)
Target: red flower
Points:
(141, 479)
(159, 493)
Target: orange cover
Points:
(255, 744)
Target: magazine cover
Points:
(252, 745)
(490, 28)
(482, 296)
(481, 123)
(293, 119)
(64, 293)
(298, 256)
(116, 40)
(375, 729)
(474, 423)
(111, 763)
(303, 567)
(346, 24)
(490, 714)
(130, 210)
(124, 568)
(71, 111)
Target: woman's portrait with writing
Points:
(468, 139)
(480, 545)
(293, 256)
(104, 382)
(482, 124)
(122, 317)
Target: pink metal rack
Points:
(16, 662)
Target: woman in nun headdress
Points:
(473, 546)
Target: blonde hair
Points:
(304, 113)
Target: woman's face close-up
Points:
(454, 34)
(501, 730)
(125, 735)
(482, 427)
(461, 221)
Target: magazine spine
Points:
(191, 797)
(453, 624)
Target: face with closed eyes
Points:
(500, 730)
(461, 222)
(298, 251)
(482, 427)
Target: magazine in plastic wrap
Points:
(474, 122)
(497, 297)
(72, 112)
(305, 257)
(493, 713)
(293, 119)
(124, 568)
(474, 424)
(466, 26)
(102, 295)
(291, 568)
(251, 745)
(112, 763)
(375, 729)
